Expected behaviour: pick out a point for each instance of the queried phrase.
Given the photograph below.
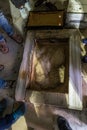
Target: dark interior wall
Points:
(5, 7)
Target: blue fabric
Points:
(5, 25)
(1, 38)
(84, 40)
(19, 112)
(3, 84)
(8, 120)
(3, 106)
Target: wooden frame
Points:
(46, 20)
(74, 98)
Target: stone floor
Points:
(12, 59)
